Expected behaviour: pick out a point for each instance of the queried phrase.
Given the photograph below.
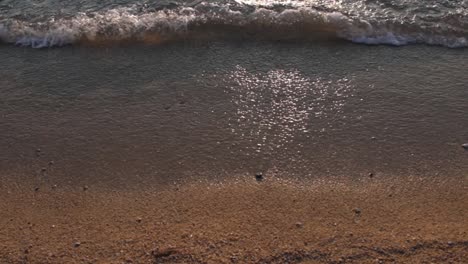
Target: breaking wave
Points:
(240, 19)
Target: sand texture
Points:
(239, 221)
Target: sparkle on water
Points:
(274, 107)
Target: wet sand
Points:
(365, 220)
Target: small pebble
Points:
(259, 176)
(77, 244)
(85, 188)
(36, 189)
(357, 210)
(371, 175)
(450, 243)
(139, 219)
(299, 224)
(465, 146)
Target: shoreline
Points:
(240, 221)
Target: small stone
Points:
(77, 244)
(299, 224)
(357, 210)
(450, 243)
(371, 175)
(465, 146)
(85, 188)
(54, 186)
(373, 138)
(259, 176)
(36, 189)
(43, 169)
(139, 219)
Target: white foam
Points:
(128, 23)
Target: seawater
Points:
(49, 23)
(143, 113)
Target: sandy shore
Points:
(369, 220)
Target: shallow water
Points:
(140, 114)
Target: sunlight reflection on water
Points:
(272, 108)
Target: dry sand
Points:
(370, 220)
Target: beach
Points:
(151, 169)
(247, 131)
(370, 220)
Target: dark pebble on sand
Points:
(371, 175)
(76, 244)
(465, 146)
(36, 189)
(259, 176)
(139, 219)
(357, 211)
(85, 188)
(299, 224)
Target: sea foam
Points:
(215, 20)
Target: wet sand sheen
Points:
(370, 220)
